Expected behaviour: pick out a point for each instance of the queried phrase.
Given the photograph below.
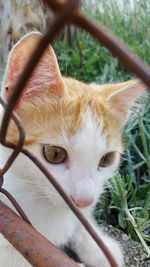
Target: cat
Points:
(75, 130)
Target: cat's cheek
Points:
(60, 174)
(103, 176)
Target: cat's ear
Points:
(123, 98)
(45, 79)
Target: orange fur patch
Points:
(53, 115)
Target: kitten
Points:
(75, 130)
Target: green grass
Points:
(126, 202)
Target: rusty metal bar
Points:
(15, 204)
(35, 248)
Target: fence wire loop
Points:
(1, 179)
(16, 148)
(67, 12)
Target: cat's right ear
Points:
(46, 78)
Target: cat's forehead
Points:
(82, 117)
(87, 139)
(89, 134)
(76, 127)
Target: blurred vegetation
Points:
(126, 201)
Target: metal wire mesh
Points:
(43, 252)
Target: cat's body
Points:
(74, 129)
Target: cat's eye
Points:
(54, 154)
(107, 159)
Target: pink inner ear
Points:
(45, 79)
(124, 99)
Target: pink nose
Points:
(83, 202)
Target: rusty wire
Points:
(104, 36)
(67, 12)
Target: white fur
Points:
(80, 177)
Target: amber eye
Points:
(107, 159)
(54, 154)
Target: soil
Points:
(134, 253)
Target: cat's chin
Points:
(61, 204)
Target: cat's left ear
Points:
(123, 99)
(46, 78)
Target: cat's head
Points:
(73, 128)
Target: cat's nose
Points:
(83, 202)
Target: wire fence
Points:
(32, 245)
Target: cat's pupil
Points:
(56, 153)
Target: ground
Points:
(134, 253)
